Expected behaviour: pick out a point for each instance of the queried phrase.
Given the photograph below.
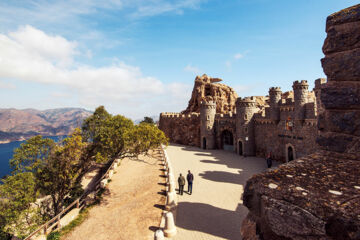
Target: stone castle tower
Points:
(207, 120)
(245, 110)
(300, 97)
(275, 97)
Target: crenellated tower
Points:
(245, 110)
(300, 98)
(275, 97)
(207, 120)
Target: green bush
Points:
(53, 236)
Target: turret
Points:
(245, 110)
(207, 120)
(275, 97)
(300, 98)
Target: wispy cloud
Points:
(238, 56)
(71, 11)
(192, 69)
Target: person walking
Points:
(181, 181)
(269, 160)
(190, 179)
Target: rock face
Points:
(318, 196)
(208, 89)
(18, 124)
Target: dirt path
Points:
(129, 209)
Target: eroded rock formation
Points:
(209, 89)
(318, 196)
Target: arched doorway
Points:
(290, 154)
(240, 147)
(204, 143)
(227, 140)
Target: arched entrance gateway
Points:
(240, 147)
(204, 143)
(227, 140)
(290, 152)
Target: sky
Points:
(140, 57)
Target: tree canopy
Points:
(148, 120)
(42, 167)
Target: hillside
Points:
(19, 124)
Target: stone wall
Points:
(318, 196)
(274, 138)
(181, 128)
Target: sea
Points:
(6, 153)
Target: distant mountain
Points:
(21, 124)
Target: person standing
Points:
(269, 160)
(190, 179)
(181, 181)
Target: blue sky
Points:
(140, 57)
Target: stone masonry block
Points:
(336, 142)
(341, 95)
(342, 38)
(343, 66)
(340, 121)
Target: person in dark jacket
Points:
(269, 160)
(181, 181)
(190, 179)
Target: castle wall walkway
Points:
(215, 209)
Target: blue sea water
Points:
(6, 153)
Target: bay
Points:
(7, 150)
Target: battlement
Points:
(303, 84)
(246, 102)
(274, 89)
(178, 115)
(319, 82)
(208, 103)
(228, 115)
(251, 99)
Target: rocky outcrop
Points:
(318, 196)
(209, 89)
(19, 124)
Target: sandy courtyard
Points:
(215, 209)
(130, 209)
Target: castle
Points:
(283, 124)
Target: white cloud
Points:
(34, 42)
(192, 69)
(238, 56)
(31, 55)
(122, 88)
(180, 91)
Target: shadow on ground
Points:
(246, 166)
(210, 219)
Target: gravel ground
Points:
(131, 208)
